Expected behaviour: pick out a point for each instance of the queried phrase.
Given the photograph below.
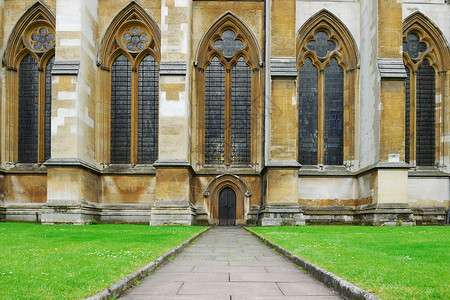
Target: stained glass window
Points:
(425, 115)
(228, 44)
(321, 45)
(120, 111)
(307, 113)
(48, 108)
(413, 46)
(215, 113)
(148, 110)
(241, 113)
(28, 110)
(334, 114)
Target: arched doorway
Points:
(227, 207)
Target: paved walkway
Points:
(229, 264)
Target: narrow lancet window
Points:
(425, 115)
(215, 113)
(148, 110)
(334, 114)
(121, 111)
(241, 113)
(28, 110)
(307, 113)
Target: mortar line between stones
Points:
(179, 289)
(280, 288)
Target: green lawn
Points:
(390, 262)
(74, 262)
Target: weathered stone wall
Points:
(369, 87)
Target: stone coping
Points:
(117, 289)
(338, 285)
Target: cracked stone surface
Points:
(229, 263)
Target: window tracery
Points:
(327, 64)
(29, 59)
(129, 58)
(426, 61)
(227, 83)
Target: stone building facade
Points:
(225, 112)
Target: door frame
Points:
(241, 190)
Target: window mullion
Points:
(320, 117)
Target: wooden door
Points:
(227, 207)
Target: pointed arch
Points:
(427, 96)
(328, 47)
(129, 58)
(28, 58)
(429, 33)
(205, 50)
(346, 51)
(228, 60)
(131, 14)
(17, 46)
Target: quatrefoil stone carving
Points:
(413, 46)
(228, 45)
(321, 44)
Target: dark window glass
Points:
(407, 114)
(148, 110)
(241, 113)
(425, 115)
(48, 107)
(334, 114)
(307, 114)
(120, 111)
(321, 44)
(28, 110)
(228, 44)
(414, 46)
(214, 113)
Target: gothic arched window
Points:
(130, 60)
(29, 58)
(426, 59)
(227, 79)
(326, 75)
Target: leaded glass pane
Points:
(48, 107)
(228, 44)
(241, 113)
(28, 110)
(407, 114)
(425, 115)
(307, 113)
(414, 46)
(321, 44)
(120, 111)
(215, 113)
(334, 114)
(148, 110)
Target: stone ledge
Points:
(66, 67)
(283, 67)
(173, 68)
(391, 68)
(121, 286)
(338, 285)
(71, 163)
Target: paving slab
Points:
(229, 263)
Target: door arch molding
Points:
(239, 187)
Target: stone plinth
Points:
(167, 212)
